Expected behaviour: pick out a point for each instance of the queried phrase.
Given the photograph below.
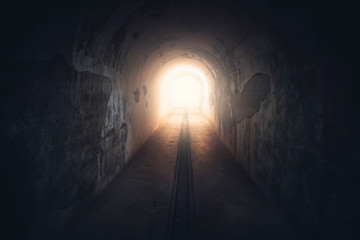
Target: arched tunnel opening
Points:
(96, 143)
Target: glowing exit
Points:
(186, 93)
(184, 87)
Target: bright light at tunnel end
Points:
(184, 86)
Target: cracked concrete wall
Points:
(273, 114)
(57, 138)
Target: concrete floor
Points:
(136, 204)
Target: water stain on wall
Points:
(145, 90)
(247, 103)
(137, 95)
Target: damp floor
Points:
(138, 202)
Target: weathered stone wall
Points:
(57, 135)
(277, 111)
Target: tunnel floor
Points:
(140, 203)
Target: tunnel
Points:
(108, 106)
